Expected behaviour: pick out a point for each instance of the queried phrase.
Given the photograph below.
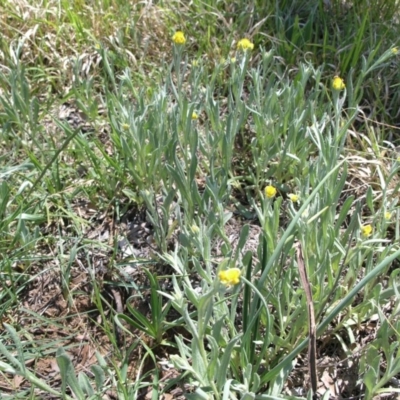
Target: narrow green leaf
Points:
(99, 376)
(68, 376)
(85, 384)
(225, 360)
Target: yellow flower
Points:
(388, 215)
(179, 38)
(233, 60)
(270, 192)
(294, 197)
(245, 44)
(194, 116)
(338, 83)
(395, 50)
(195, 229)
(230, 276)
(366, 230)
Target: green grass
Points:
(133, 171)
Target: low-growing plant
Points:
(256, 139)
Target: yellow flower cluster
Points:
(338, 83)
(194, 116)
(245, 44)
(294, 197)
(270, 192)
(179, 37)
(366, 230)
(230, 276)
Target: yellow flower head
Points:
(179, 38)
(395, 50)
(194, 116)
(338, 83)
(195, 229)
(270, 191)
(366, 230)
(294, 197)
(245, 44)
(388, 215)
(230, 276)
